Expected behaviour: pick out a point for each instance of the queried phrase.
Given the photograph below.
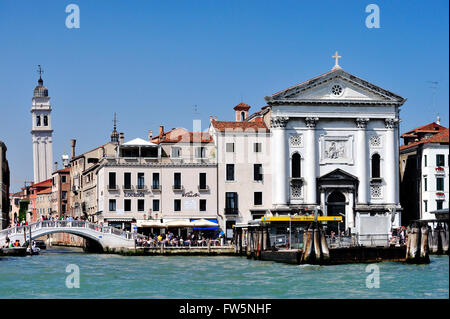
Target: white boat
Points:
(36, 250)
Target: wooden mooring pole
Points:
(417, 251)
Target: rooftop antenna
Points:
(433, 87)
(196, 112)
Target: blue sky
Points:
(152, 61)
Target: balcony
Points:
(156, 187)
(112, 187)
(231, 211)
(376, 180)
(127, 187)
(203, 188)
(141, 187)
(177, 188)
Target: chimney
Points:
(161, 131)
(55, 166)
(438, 120)
(72, 145)
(121, 138)
(150, 135)
(210, 118)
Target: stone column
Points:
(279, 161)
(361, 161)
(390, 164)
(310, 169)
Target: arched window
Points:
(376, 166)
(296, 171)
(45, 120)
(38, 120)
(242, 116)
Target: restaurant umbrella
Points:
(178, 223)
(203, 223)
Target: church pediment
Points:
(338, 175)
(335, 87)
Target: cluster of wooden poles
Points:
(315, 248)
(438, 240)
(417, 250)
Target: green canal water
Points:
(114, 276)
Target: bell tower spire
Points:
(114, 134)
(41, 131)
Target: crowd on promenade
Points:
(170, 240)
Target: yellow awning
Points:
(300, 218)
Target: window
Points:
(112, 180)
(257, 172)
(63, 179)
(177, 180)
(155, 182)
(202, 205)
(140, 181)
(176, 151)
(127, 205)
(425, 202)
(177, 205)
(440, 160)
(439, 183)
(127, 180)
(230, 172)
(296, 166)
(200, 152)
(63, 208)
(257, 147)
(202, 180)
(38, 120)
(112, 205)
(231, 205)
(45, 120)
(156, 205)
(425, 184)
(141, 205)
(64, 195)
(376, 166)
(425, 161)
(439, 204)
(242, 116)
(230, 147)
(257, 198)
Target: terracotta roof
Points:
(257, 125)
(428, 128)
(437, 138)
(63, 170)
(45, 183)
(183, 136)
(241, 106)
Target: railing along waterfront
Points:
(295, 240)
(71, 224)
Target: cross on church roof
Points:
(40, 71)
(337, 57)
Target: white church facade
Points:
(335, 142)
(41, 133)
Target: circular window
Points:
(336, 89)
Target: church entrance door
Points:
(336, 207)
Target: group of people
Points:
(9, 244)
(170, 240)
(399, 236)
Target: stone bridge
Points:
(104, 237)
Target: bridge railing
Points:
(70, 224)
